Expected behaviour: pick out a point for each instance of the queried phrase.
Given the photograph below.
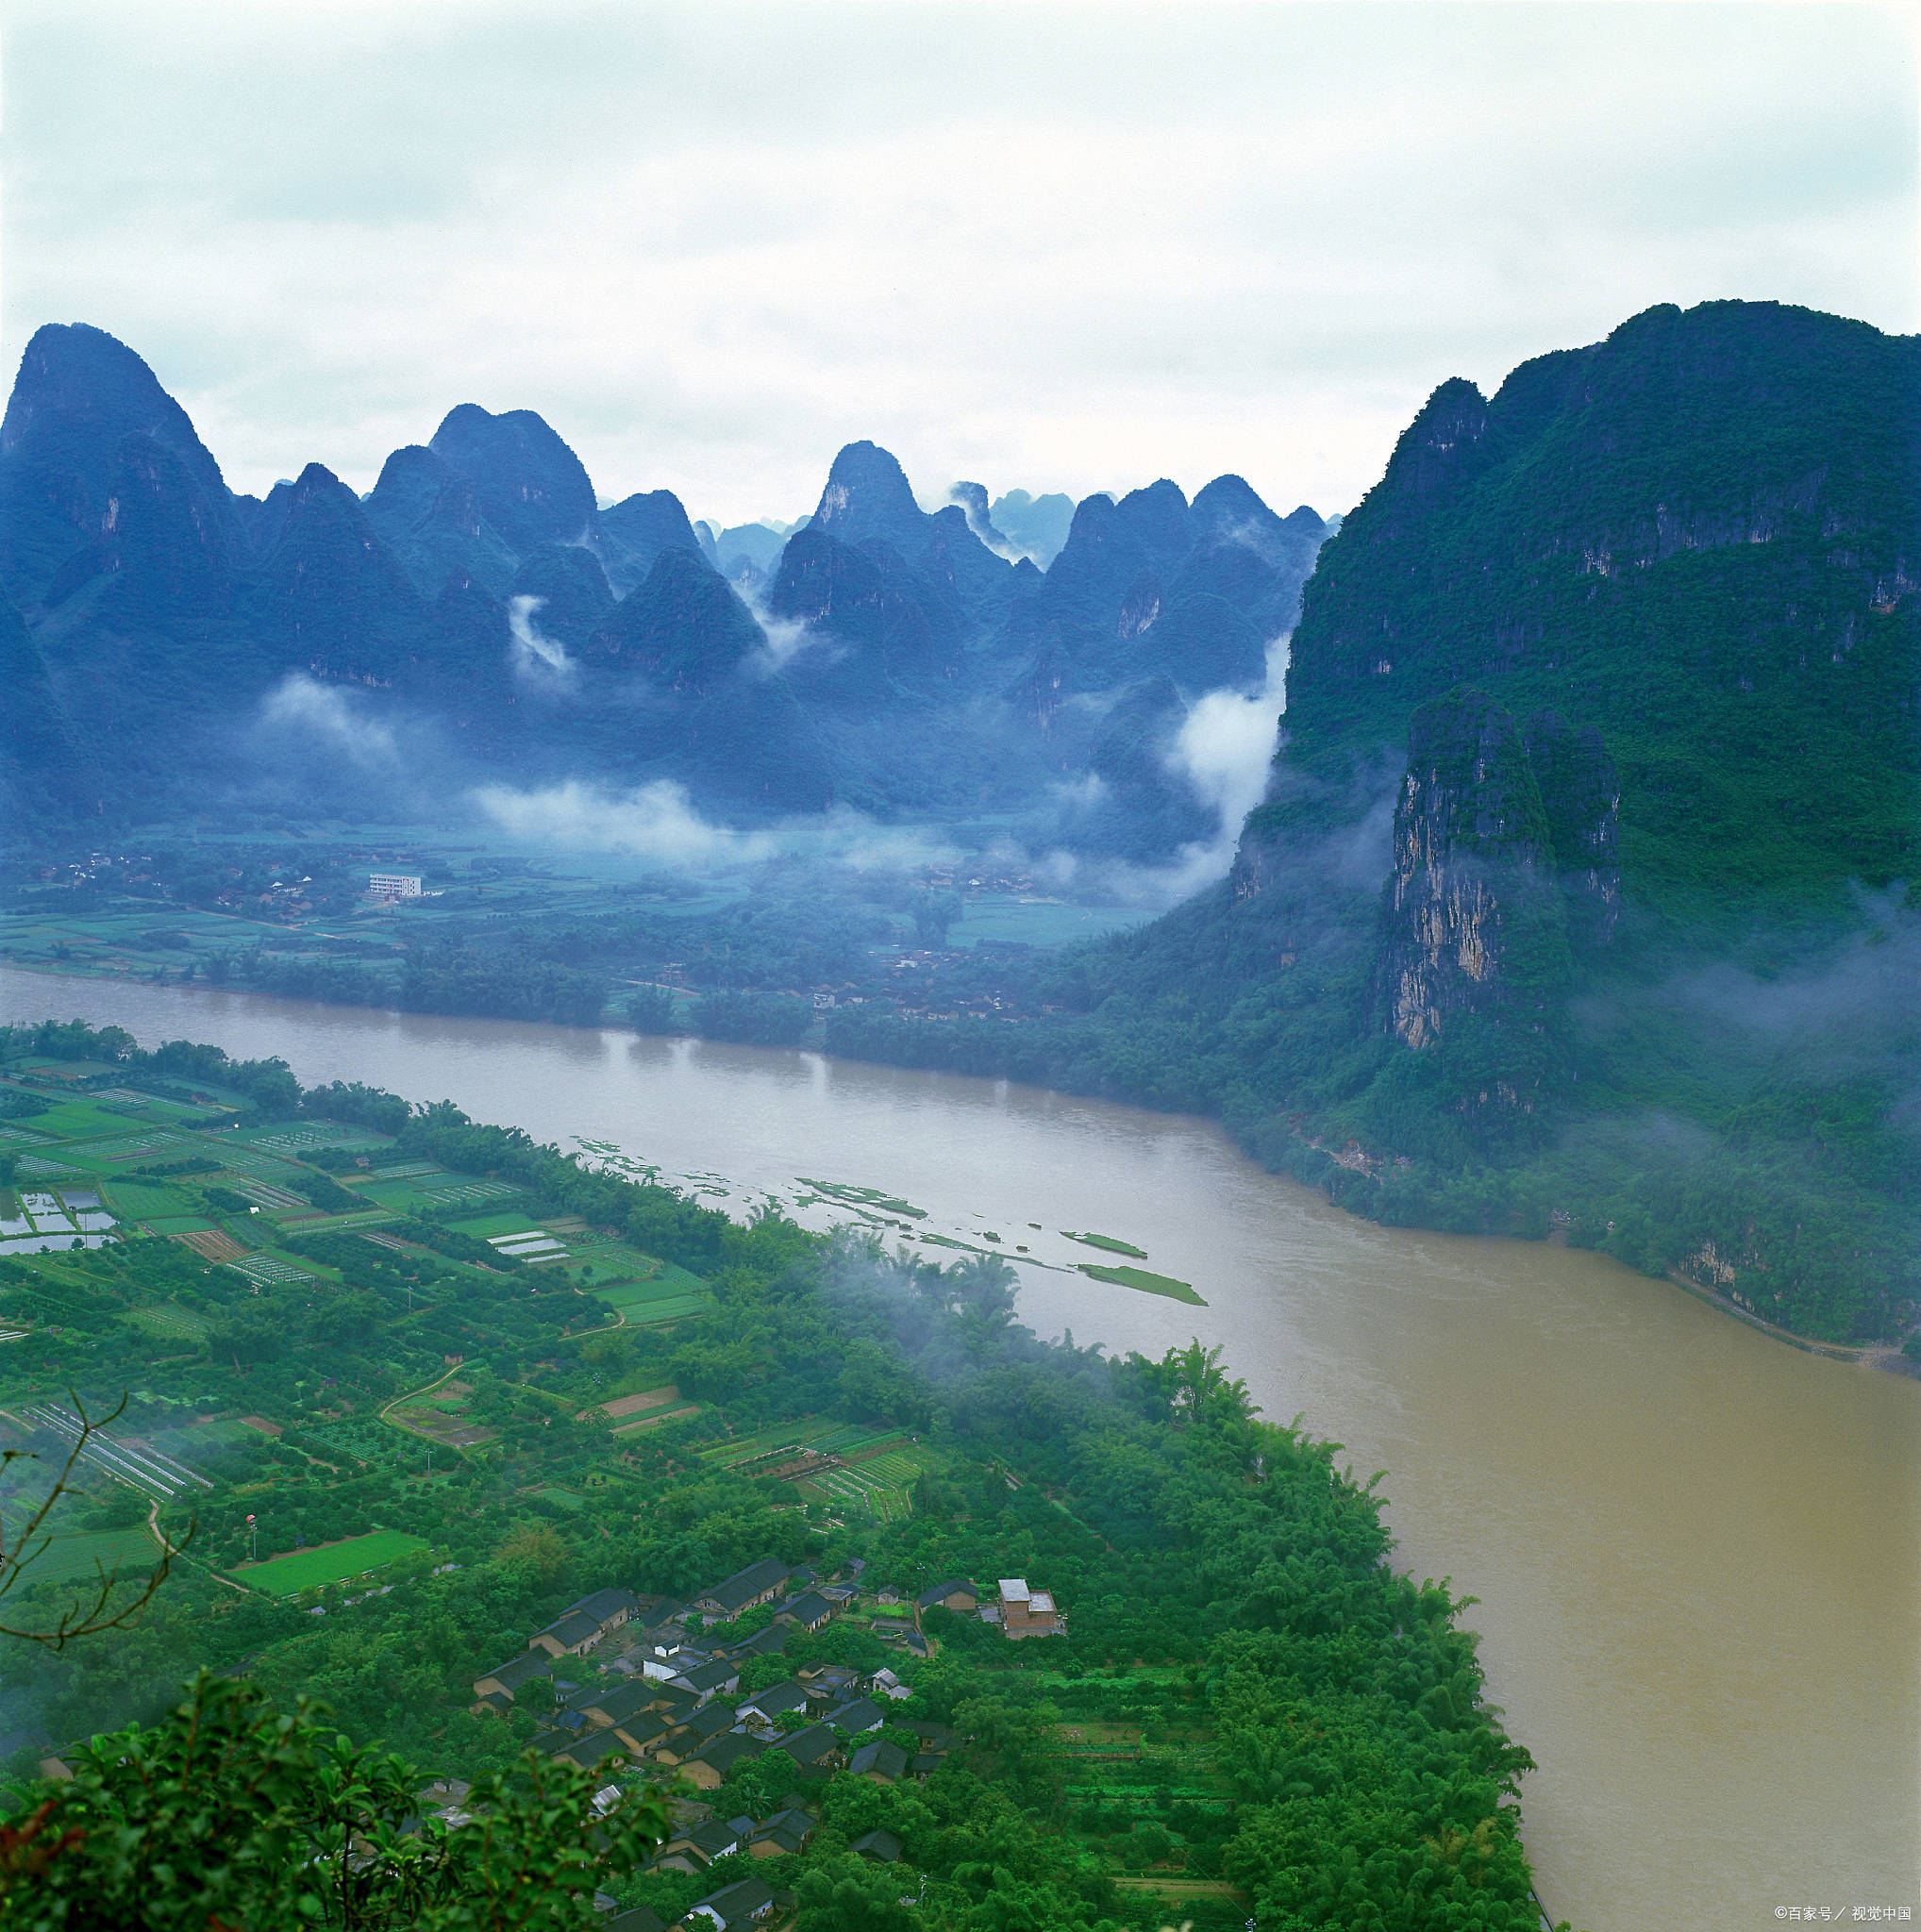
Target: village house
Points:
(863, 1714)
(1026, 1612)
(710, 1768)
(881, 1846)
(569, 1635)
(609, 1609)
(691, 1738)
(758, 1583)
(732, 1907)
(813, 1749)
(955, 1594)
(781, 1836)
(717, 1679)
(771, 1703)
(592, 1750)
(506, 1678)
(704, 1842)
(810, 1611)
(880, 1762)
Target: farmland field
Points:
(169, 1322)
(310, 1569)
(130, 1550)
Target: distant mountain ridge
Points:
(484, 617)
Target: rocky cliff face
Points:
(1471, 921)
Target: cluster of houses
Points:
(650, 1692)
(628, 1678)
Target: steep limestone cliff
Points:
(1472, 924)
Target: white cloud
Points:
(659, 823)
(536, 656)
(1046, 245)
(329, 716)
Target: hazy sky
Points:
(1054, 246)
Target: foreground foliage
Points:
(230, 1814)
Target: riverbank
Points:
(1387, 1194)
(1697, 1554)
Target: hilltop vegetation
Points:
(1249, 1710)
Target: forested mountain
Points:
(479, 618)
(1581, 900)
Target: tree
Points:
(229, 1816)
(933, 913)
(102, 1604)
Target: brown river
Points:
(1696, 1550)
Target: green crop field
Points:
(130, 1551)
(646, 1314)
(668, 1283)
(178, 1224)
(898, 1468)
(169, 1322)
(136, 1200)
(485, 1226)
(310, 1569)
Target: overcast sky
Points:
(1061, 248)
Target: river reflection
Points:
(1697, 1551)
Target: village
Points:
(628, 1682)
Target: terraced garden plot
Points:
(266, 1272)
(120, 1148)
(250, 1161)
(136, 1200)
(13, 1135)
(365, 1437)
(78, 1120)
(449, 1429)
(398, 1195)
(169, 1322)
(900, 1467)
(298, 1139)
(678, 1309)
(800, 1435)
(265, 1194)
(132, 1552)
(454, 1193)
(681, 1412)
(618, 1407)
(358, 1556)
(38, 1166)
(669, 1283)
(851, 1489)
(485, 1226)
(331, 1223)
(215, 1244)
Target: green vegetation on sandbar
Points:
(1147, 1283)
(1112, 1244)
(862, 1198)
(308, 1569)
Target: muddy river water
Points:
(1696, 1550)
